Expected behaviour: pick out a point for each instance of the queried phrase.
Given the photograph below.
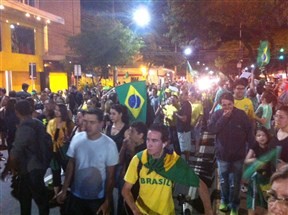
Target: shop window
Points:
(22, 40)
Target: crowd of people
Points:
(99, 150)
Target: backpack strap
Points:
(140, 164)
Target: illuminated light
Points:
(262, 75)
(46, 65)
(211, 72)
(246, 68)
(198, 63)
(12, 26)
(89, 75)
(188, 51)
(7, 21)
(141, 16)
(2, 7)
(48, 21)
(70, 61)
(252, 66)
(203, 64)
(18, 23)
(27, 14)
(282, 50)
(144, 71)
(151, 72)
(38, 18)
(207, 68)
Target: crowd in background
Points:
(184, 109)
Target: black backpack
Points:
(43, 143)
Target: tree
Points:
(214, 23)
(104, 41)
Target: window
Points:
(22, 40)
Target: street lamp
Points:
(141, 16)
(188, 51)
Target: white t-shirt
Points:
(91, 159)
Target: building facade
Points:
(33, 37)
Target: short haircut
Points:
(97, 112)
(240, 81)
(162, 129)
(140, 127)
(268, 96)
(227, 96)
(283, 108)
(23, 107)
(282, 173)
(25, 86)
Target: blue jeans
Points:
(230, 174)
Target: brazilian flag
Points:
(134, 96)
(263, 57)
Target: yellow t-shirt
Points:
(169, 111)
(246, 105)
(197, 111)
(155, 191)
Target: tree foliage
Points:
(209, 25)
(104, 41)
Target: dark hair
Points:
(3, 90)
(281, 173)
(31, 102)
(162, 129)
(10, 107)
(226, 96)
(23, 107)
(121, 109)
(262, 128)
(241, 81)
(140, 127)
(96, 111)
(113, 97)
(12, 93)
(64, 113)
(268, 96)
(25, 86)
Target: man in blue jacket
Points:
(233, 131)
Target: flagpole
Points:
(108, 92)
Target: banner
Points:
(134, 96)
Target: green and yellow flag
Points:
(134, 96)
(270, 156)
(170, 166)
(263, 57)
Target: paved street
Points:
(8, 204)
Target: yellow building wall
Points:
(19, 63)
(58, 81)
(20, 77)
